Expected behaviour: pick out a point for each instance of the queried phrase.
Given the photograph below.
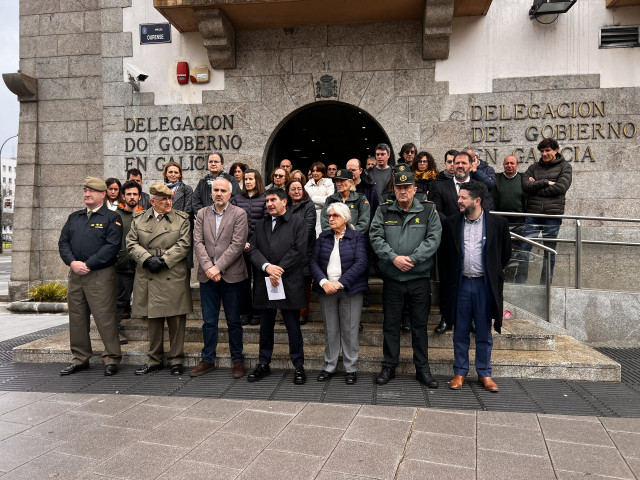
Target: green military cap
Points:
(403, 178)
(401, 167)
(158, 188)
(343, 174)
(95, 184)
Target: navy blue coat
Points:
(353, 259)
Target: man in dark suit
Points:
(278, 251)
(476, 247)
(219, 238)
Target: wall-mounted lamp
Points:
(550, 7)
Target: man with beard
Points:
(476, 247)
(126, 266)
(202, 193)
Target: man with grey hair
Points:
(482, 171)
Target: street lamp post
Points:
(2, 196)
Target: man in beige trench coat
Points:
(159, 242)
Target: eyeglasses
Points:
(412, 152)
(332, 215)
(278, 175)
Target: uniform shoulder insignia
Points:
(180, 213)
(137, 214)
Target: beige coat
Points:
(226, 245)
(168, 292)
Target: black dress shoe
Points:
(303, 320)
(386, 374)
(143, 370)
(177, 369)
(110, 370)
(427, 379)
(442, 326)
(73, 368)
(351, 378)
(259, 373)
(299, 377)
(324, 375)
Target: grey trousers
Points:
(341, 314)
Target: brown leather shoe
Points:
(238, 370)
(456, 382)
(202, 368)
(488, 384)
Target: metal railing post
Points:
(578, 254)
(547, 259)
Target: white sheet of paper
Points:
(275, 293)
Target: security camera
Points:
(135, 75)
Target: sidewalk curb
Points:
(27, 306)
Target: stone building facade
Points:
(81, 117)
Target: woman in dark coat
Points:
(251, 200)
(182, 193)
(301, 205)
(424, 171)
(339, 266)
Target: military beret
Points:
(343, 174)
(403, 178)
(401, 167)
(95, 184)
(158, 188)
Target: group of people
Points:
(275, 244)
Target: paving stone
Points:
(435, 447)
(307, 439)
(22, 448)
(446, 422)
(510, 466)
(190, 470)
(257, 424)
(111, 405)
(380, 431)
(36, 413)
(564, 475)
(142, 417)
(512, 440)
(590, 459)
(64, 426)
(52, 465)
(181, 432)
(287, 408)
(326, 475)
(628, 443)
(332, 416)
(13, 400)
(392, 413)
(73, 398)
(366, 459)
(140, 460)
(527, 421)
(99, 441)
(577, 431)
(273, 465)
(634, 464)
(228, 450)
(9, 429)
(173, 402)
(631, 425)
(419, 470)
(216, 410)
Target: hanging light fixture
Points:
(550, 7)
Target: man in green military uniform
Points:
(159, 242)
(358, 204)
(405, 236)
(89, 243)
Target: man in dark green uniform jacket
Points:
(89, 243)
(405, 236)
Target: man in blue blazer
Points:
(476, 246)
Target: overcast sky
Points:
(9, 61)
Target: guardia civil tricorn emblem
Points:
(327, 87)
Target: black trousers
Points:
(292, 322)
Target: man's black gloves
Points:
(154, 264)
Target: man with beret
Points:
(405, 235)
(159, 242)
(357, 202)
(89, 243)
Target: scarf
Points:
(424, 176)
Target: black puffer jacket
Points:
(255, 207)
(545, 198)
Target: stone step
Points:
(516, 335)
(571, 360)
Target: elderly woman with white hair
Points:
(339, 266)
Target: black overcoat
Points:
(495, 256)
(286, 247)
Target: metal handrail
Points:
(578, 240)
(548, 260)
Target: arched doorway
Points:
(329, 132)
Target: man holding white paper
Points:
(278, 250)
